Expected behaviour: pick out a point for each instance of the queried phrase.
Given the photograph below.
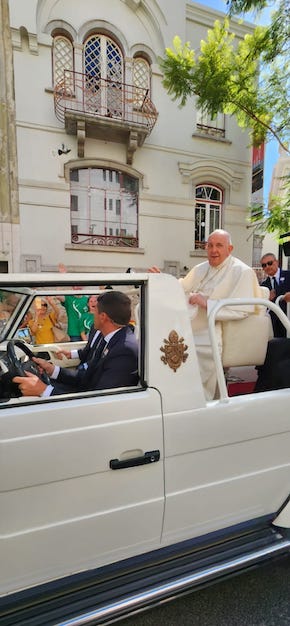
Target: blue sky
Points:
(272, 146)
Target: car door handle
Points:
(147, 457)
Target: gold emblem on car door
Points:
(174, 350)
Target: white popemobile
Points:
(112, 501)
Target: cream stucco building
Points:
(113, 174)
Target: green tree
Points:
(249, 79)
(276, 218)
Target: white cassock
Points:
(232, 278)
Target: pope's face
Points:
(218, 249)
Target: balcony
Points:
(103, 109)
(122, 241)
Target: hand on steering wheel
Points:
(17, 368)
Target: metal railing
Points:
(105, 240)
(87, 95)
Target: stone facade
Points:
(66, 136)
(9, 213)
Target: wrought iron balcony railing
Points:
(122, 241)
(104, 108)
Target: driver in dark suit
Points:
(112, 363)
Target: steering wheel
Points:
(17, 368)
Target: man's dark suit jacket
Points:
(114, 364)
(84, 353)
(282, 287)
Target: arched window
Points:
(208, 212)
(103, 66)
(141, 80)
(104, 207)
(62, 59)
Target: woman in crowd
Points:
(43, 321)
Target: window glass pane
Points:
(215, 194)
(62, 58)
(93, 57)
(214, 219)
(91, 195)
(199, 222)
(200, 192)
(74, 175)
(210, 125)
(141, 81)
(114, 61)
(74, 203)
(207, 213)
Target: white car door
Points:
(63, 508)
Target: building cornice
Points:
(205, 16)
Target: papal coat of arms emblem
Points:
(174, 351)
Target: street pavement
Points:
(260, 597)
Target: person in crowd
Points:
(83, 354)
(278, 281)
(221, 276)
(75, 307)
(44, 319)
(87, 319)
(113, 362)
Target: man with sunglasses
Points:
(278, 281)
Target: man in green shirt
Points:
(75, 307)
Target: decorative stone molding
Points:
(102, 163)
(133, 4)
(81, 136)
(17, 36)
(218, 172)
(31, 263)
(132, 146)
(198, 253)
(33, 43)
(172, 267)
(110, 249)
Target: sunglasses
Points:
(268, 263)
(44, 305)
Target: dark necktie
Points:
(98, 350)
(275, 284)
(93, 361)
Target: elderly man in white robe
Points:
(221, 276)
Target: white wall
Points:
(172, 159)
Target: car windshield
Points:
(10, 303)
